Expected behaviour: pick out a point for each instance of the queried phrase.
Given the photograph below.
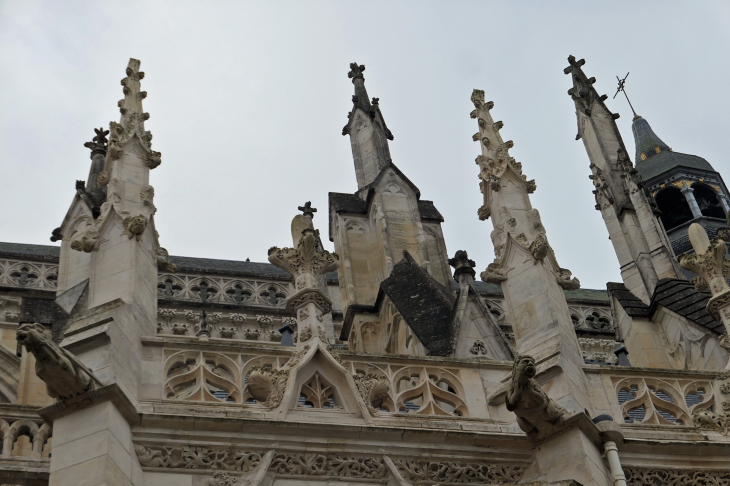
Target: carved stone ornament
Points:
(537, 415)
(539, 247)
(566, 279)
(163, 261)
(134, 226)
(705, 419)
(305, 262)
(186, 457)
(711, 267)
(312, 464)
(87, 242)
(267, 385)
(372, 388)
(479, 348)
(636, 476)
(428, 471)
(495, 273)
(305, 334)
(64, 374)
(309, 295)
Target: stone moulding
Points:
(328, 465)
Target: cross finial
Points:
(356, 71)
(621, 87)
(307, 209)
(99, 142)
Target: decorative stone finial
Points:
(356, 71)
(99, 142)
(712, 270)
(462, 265)
(305, 263)
(307, 209)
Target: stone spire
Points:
(525, 264)
(367, 130)
(647, 142)
(629, 212)
(305, 262)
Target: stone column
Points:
(689, 195)
(723, 201)
(712, 270)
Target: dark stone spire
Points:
(647, 142)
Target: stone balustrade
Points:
(18, 421)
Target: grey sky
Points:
(247, 103)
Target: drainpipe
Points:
(611, 435)
(614, 463)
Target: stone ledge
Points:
(107, 393)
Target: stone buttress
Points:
(639, 240)
(107, 283)
(532, 281)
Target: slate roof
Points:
(646, 140)
(187, 264)
(666, 161)
(230, 267)
(30, 252)
(681, 297)
(676, 295)
(352, 203)
(426, 305)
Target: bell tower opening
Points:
(674, 207)
(708, 201)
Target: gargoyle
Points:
(87, 242)
(64, 375)
(537, 415)
(163, 261)
(134, 226)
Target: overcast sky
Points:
(248, 99)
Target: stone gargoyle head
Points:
(32, 335)
(523, 369)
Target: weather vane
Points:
(621, 88)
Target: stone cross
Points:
(307, 209)
(356, 71)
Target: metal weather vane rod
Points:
(621, 88)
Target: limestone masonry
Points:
(385, 361)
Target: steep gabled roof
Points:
(426, 305)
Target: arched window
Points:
(708, 201)
(674, 207)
